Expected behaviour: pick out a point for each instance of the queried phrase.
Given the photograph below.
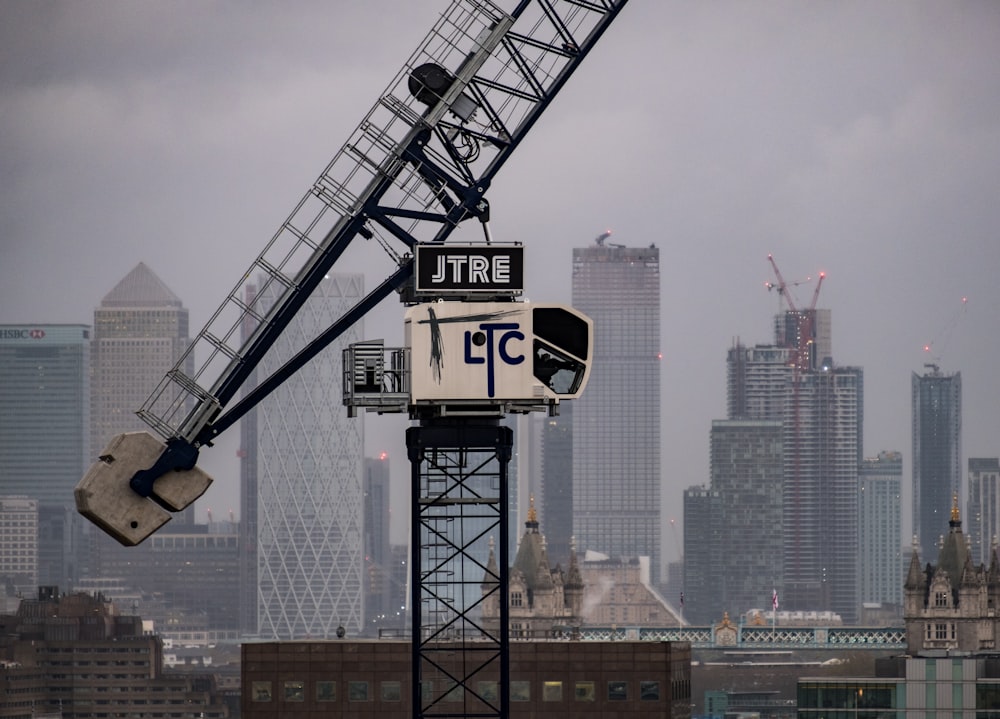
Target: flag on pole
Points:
(774, 600)
(682, 600)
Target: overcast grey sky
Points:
(858, 138)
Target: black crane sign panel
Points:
(419, 164)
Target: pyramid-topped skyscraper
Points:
(140, 331)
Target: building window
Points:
(455, 694)
(649, 691)
(551, 691)
(357, 691)
(261, 691)
(520, 691)
(584, 692)
(617, 691)
(516, 599)
(940, 631)
(941, 599)
(488, 691)
(326, 691)
(391, 692)
(295, 691)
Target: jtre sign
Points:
(487, 269)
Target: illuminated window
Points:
(584, 692)
(551, 691)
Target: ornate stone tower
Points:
(542, 598)
(952, 606)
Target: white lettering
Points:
(457, 263)
(478, 265)
(438, 275)
(501, 268)
(472, 269)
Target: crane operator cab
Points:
(489, 357)
(474, 358)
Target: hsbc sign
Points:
(21, 333)
(469, 269)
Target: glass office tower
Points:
(309, 483)
(937, 453)
(616, 422)
(44, 435)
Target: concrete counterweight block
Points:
(104, 496)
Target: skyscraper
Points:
(821, 408)
(823, 450)
(699, 598)
(309, 482)
(140, 331)
(984, 506)
(880, 559)
(746, 471)
(44, 434)
(616, 422)
(45, 373)
(937, 452)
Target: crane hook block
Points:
(105, 497)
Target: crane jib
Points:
(418, 164)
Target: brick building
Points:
(555, 679)
(75, 657)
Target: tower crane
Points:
(418, 165)
(935, 349)
(802, 321)
(602, 239)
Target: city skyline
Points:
(753, 131)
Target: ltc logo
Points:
(490, 343)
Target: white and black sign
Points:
(488, 269)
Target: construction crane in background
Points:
(935, 349)
(602, 239)
(418, 165)
(798, 326)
